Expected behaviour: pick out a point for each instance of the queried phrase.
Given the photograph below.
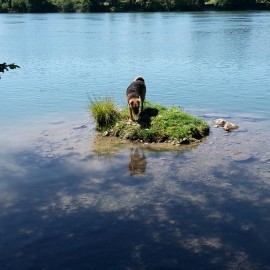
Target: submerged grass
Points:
(155, 123)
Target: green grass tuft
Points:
(155, 123)
(104, 112)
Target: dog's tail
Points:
(139, 79)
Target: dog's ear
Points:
(131, 102)
(139, 78)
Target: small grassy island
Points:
(155, 124)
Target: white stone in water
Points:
(220, 122)
(229, 126)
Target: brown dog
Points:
(135, 96)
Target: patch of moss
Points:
(155, 123)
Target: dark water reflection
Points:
(64, 206)
(137, 164)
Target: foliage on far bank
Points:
(155, 123)
(126, 5)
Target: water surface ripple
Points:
(218, 62)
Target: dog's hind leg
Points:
(143, 97)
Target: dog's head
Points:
(134, 104)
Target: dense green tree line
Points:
(125, 5)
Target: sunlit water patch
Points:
(217, 62)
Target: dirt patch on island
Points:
(110, 145)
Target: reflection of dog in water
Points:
(137, 164)
(135, 96)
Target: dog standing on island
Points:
(135, 96)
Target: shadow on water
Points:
(133, 209)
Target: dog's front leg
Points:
(130, 114)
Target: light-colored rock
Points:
(227, 126)
(230, 126)
(219, 122)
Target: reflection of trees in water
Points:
(137, 164)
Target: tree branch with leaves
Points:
(5, 67)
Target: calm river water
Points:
(69, 201)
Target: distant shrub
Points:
(4, 8)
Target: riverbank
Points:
(79, 6)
